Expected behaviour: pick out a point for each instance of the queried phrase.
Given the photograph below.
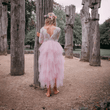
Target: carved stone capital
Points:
(70, 15)
(5, 2)
(84, 1)
(94, 2)
(94, 13)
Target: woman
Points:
(51, 61)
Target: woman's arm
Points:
(38, 34)
(58, 33)
(41, 37)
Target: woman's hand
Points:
(38, 34)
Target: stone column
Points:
(85, 21)
(70, 18)
(42, 8)
(17, 37)
(94, 33)
(0, 25)
(3, 25)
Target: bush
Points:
(30, 38)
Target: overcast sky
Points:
(104, 10)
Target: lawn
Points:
(103, 52)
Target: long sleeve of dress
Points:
(59, 32)
(41, 37)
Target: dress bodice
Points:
(44, 36)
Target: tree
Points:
(61, 16)
(77, 30)
(30, 38)
(30, 9)
(105, 34)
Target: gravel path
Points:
(83, 86)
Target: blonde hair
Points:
(48, 21)
(51, 19)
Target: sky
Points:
(104, 10)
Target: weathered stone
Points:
(70, 15)
(84, 1)
(0, 23)
(94, 2)
(3, 30)
(17, 37)
(95, 36)
(69, 42)
(5, 2)
(85, 17)
(3, 45)
(0, 8)
(90, 50)
(42, 7)
(70, 18)
(94, 44)
(94, 12)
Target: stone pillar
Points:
(17, 37)
(70, 18)
(94, 33)
(3, 26)
(0, 25)
(85, 21)
(42, 7)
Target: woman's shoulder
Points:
(42, 28)
(58, 29)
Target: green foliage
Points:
(30, 38)
(30, 9)
(61, 23)
(105, 33)
(30, 19)
(77, 30)
(8, 30)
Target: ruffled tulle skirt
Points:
(51, 64)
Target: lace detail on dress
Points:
(44, 36)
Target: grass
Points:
(103, 52)
(77, 51)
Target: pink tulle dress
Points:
(51, 60)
